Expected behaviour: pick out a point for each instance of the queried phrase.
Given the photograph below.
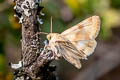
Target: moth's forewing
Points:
(83, 34)
(86, 46)
(85, 30)
(70, 53)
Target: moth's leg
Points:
(37, 33)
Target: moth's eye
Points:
(49, 37)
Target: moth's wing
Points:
(70, 52)
(86, 46)
(85, 30)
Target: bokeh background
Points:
(104, 64)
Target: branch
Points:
(35, 63)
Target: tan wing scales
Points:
(83, 34)
(85, 30)
(71, 54)
(87, 46)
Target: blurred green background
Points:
(65, 13)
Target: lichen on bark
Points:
(35, 62)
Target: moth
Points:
(77, 42)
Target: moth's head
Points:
(49, 36)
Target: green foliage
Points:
(115, 4)
(1, 1)
(2, 64)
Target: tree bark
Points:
(34, 64)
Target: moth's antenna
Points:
(51, 25)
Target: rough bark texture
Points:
(35, 61)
